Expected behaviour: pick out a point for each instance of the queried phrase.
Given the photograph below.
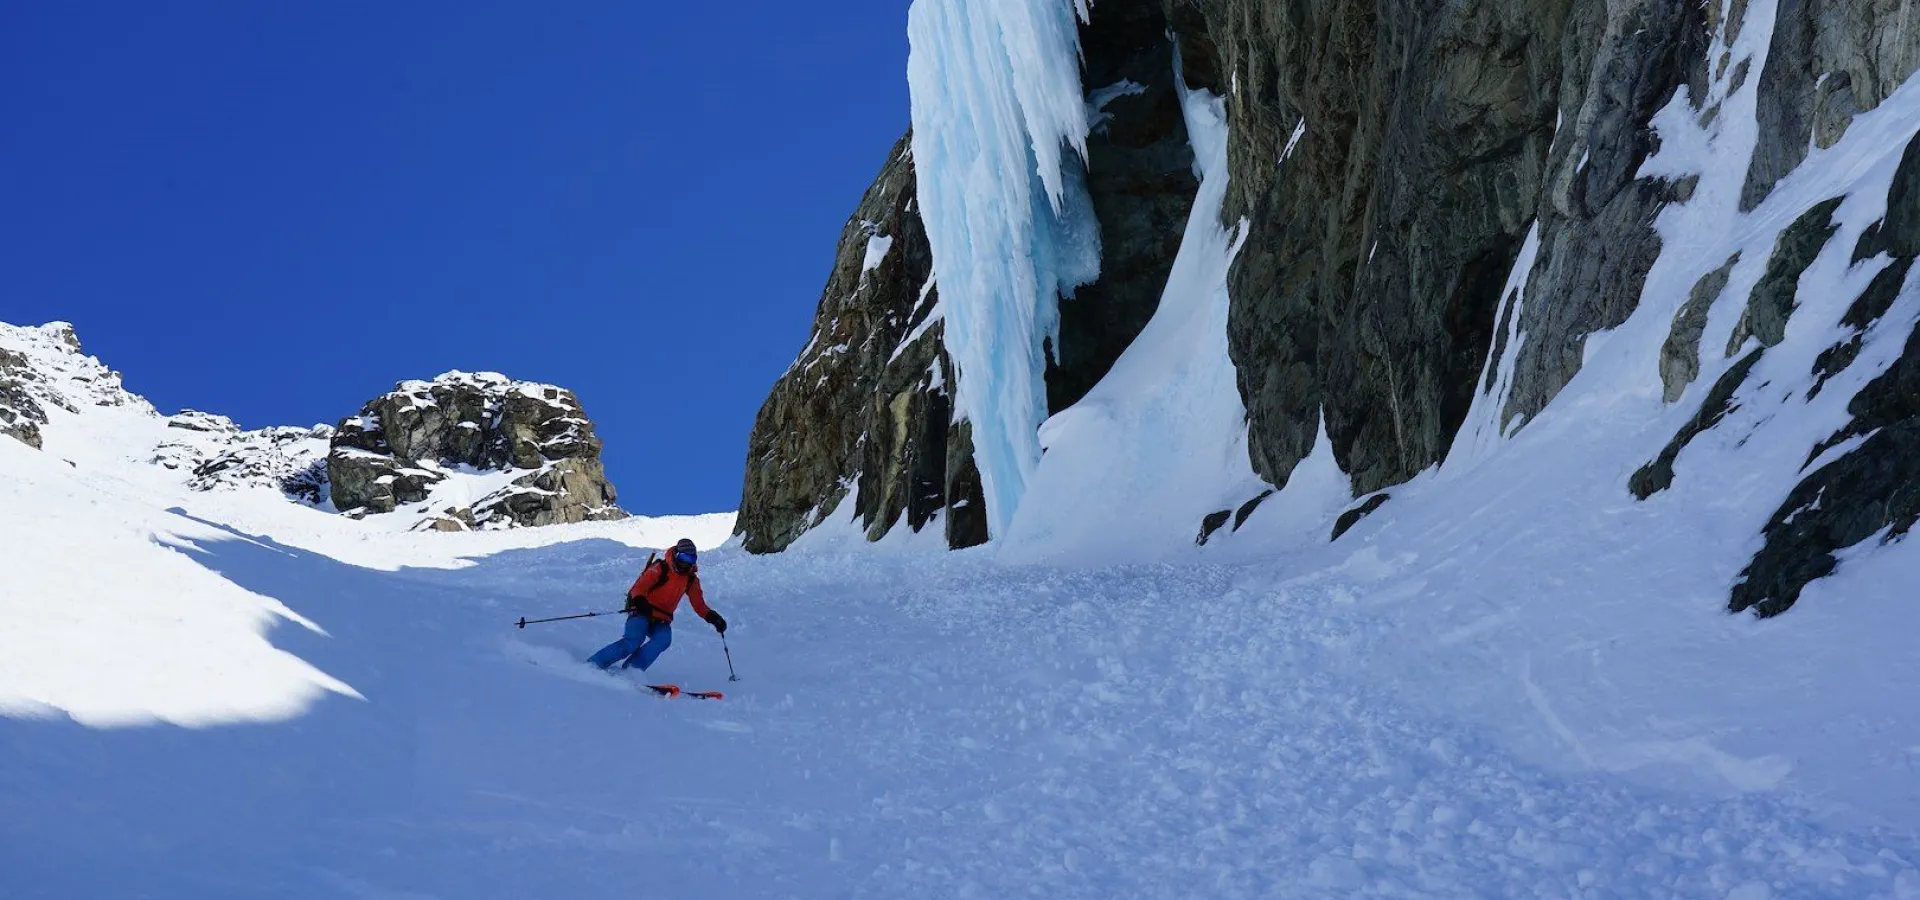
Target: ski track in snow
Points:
(910, 725)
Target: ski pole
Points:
(524, 621)
(724, 649)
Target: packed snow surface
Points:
(999, 135)
(911, 724)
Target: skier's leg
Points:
(636, 632)
(632, 660)
(659, 638)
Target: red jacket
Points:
(658, 590)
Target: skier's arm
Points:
(698, 598)
(700, 606)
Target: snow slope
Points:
(221, 694)
(907, 725)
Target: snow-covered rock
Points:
(44, 372)
(462, 451)
(43, 368)
(282, 457)
(405, 443)
(20, 414)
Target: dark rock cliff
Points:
(1391, 159)
(1419, 142)
(867, 409)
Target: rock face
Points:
(20, 414)
(1418, 181)
(404, 442)
(1422, 143)
(1829, 60)
(866, 412)
(1140, 177)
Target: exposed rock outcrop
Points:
(1360, 511)
(526, 450)
(1829, 60)
(1772, 300)
(20, 414)
(1872, 489)
(866, 412)
(404, 442)
(1680, 355)
(1141, 179)
(1419, 146)
(1657, 476)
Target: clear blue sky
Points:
(277, 210)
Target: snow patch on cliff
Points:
(1162, 440)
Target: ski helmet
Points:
(684, 555)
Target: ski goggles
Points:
(684, 558)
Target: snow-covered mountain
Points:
(462, 451)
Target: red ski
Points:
(673, 690)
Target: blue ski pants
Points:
(642, 643)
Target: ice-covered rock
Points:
(866, 417)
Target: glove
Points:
(717, 621)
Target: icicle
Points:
(996, 97)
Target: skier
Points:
(650, 605)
